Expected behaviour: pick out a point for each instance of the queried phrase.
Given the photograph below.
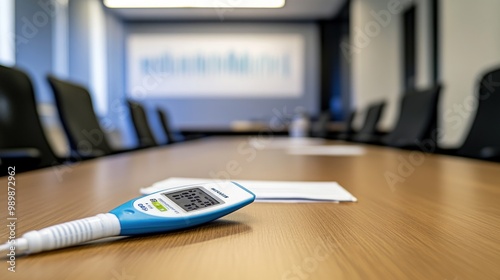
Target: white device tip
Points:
(18, 247)
(4, 249)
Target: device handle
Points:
(68, 234)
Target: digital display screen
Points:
(192, 199)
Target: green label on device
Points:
(158, 205)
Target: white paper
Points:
(286, 142)
(272, 191)
(337, 150)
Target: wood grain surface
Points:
(418, 217)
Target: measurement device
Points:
(166, 210)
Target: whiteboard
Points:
(234, 65)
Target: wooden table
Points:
(440, 219)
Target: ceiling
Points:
(293, 10)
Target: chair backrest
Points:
(348, 130)
(483, 140)
(369, 132)
(417, 119)
(165, 123)
(21, 132)
(140, 120)
(74, 104)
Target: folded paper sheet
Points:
(337, 150)
(273, 191)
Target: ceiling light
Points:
(194, 3)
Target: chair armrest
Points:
(486, 153)
(22, 158)
(20, 153)
(447, 151)
(490, 153)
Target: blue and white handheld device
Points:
(166, 210)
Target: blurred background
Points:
(218, 70)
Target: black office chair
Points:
(139, 119)
(165, 123)
(348, 131)
(369, 132)
(22, 140)
(74, 104)
(483, 140)
(417, 119)
(320, 127)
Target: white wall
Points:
(7, 31)
(98, 57)
(375, 56)
(470, 44)
(424, 44)
(60, 45)
(376, 51)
